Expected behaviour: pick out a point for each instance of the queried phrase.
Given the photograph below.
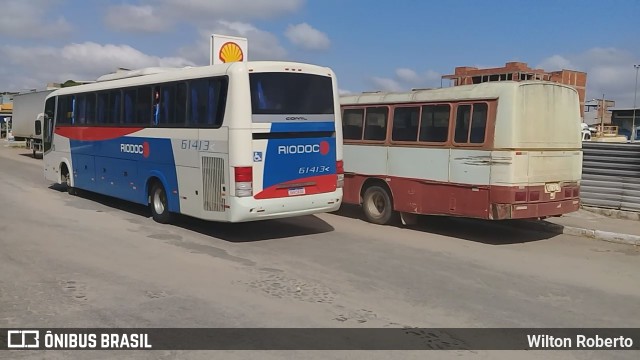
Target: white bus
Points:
(499, 150)
(234, 142)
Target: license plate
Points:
(552, 187)
(296, 191)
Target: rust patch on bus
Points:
(485, 160)
(476, 201)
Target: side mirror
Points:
(38, 127)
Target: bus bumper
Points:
(533, 210)
(250, 209)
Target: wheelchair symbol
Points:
(257, 156)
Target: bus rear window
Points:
(287, 93)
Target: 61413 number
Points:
(314, 170)
(198, 145)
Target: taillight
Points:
(534, 196)
(521, 196)
(244, 181)
(568, 192)
(340, 173)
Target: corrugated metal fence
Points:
(611, 176)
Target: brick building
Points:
(518, 71)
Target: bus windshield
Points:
(287, 93)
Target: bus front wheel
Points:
(67, 179)
(377, 205)
(159, 204)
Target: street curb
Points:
(15, 144)
(618, 238)
(613, 213)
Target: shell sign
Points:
(226, 49)
(230, 52)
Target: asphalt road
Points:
(89, 261)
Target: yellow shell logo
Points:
(231, 52)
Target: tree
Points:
(69, 83)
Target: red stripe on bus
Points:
(93, 133)
(323, 184)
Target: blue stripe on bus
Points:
(303, 126)
(109, 168)
(284, 166)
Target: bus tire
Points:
(377, 205)
(67, 179)
(159, 204)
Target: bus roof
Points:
(160, 74)
(488, 90)
(123, 74)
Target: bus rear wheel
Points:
(159, 204)
(377, 205)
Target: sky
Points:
(370, 44)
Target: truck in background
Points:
(27, 109)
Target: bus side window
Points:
(463, 119)
(195, 102)
(80, 109)
(143, 106)
(168, 104)
(181, 104)
(478, 123)
(115, 107)
(471, 123)
(90, 109)
(376, 123)
(434, 126)
(101, 113)
(206, 105)
(212, 93)
(155, 113)
(129, 110)
(164, 105)
(74, 111)
(405, 123)
(65, 110)
(352, 124)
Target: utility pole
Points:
(602, 117)
(635, 95)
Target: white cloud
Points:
(386, 84)
(161, 15)
(262, 44)
(84, 61)
(555, 62)
(408, 75)
(432, 76)
(236, 9)
(609, 71)
(31, 19)
(307, 37)
(406, 79)
(135, 18)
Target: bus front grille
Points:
(213, 183)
